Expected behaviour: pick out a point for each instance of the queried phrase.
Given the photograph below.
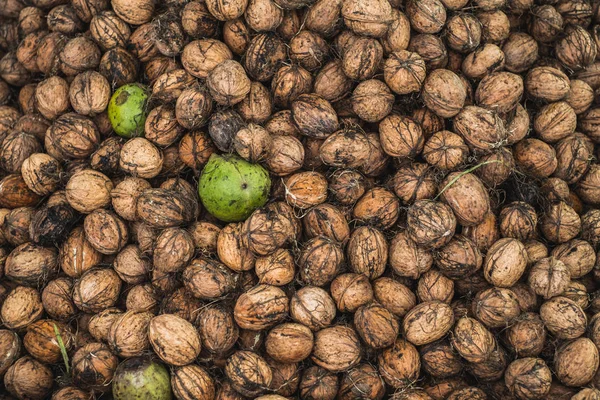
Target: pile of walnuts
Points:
(431, 233)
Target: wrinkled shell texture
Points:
(430, 229)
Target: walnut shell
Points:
(560, 223)
(128, 335)
(261, 307)
(201, 271)
(109, 30)
(430, 223)
(40, 340)
(336, 348)
(77, 255)
(10, 344)
(192, 381)
(289, 342)
(555, 121)
(427, 322)
(440, 360)
(218, 330)
(394, 296)
(484, 60)
(249, 373)
(472, 340)
(163, 208)
(399, 365)
(96, 290)
(125, 194)
(201, 57)
(376, 325)
(52, 97)
(482, 129)
(228, 83)
(363, 58)
(57, 301)
(21, 308)
(174, 339)
(505, 262)
(135, 12)
(313, 307)
(31, 265)
(28, 378)
(577, 255)
(500, 91)
(547, 84)
(496, 307)
(528, 378)
(88, 190)
(371, 18)
(576, 362)
(549, 277)
(372, 100)
(563, 318)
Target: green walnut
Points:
(141, 378)
(127, 110)
(231, 188)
